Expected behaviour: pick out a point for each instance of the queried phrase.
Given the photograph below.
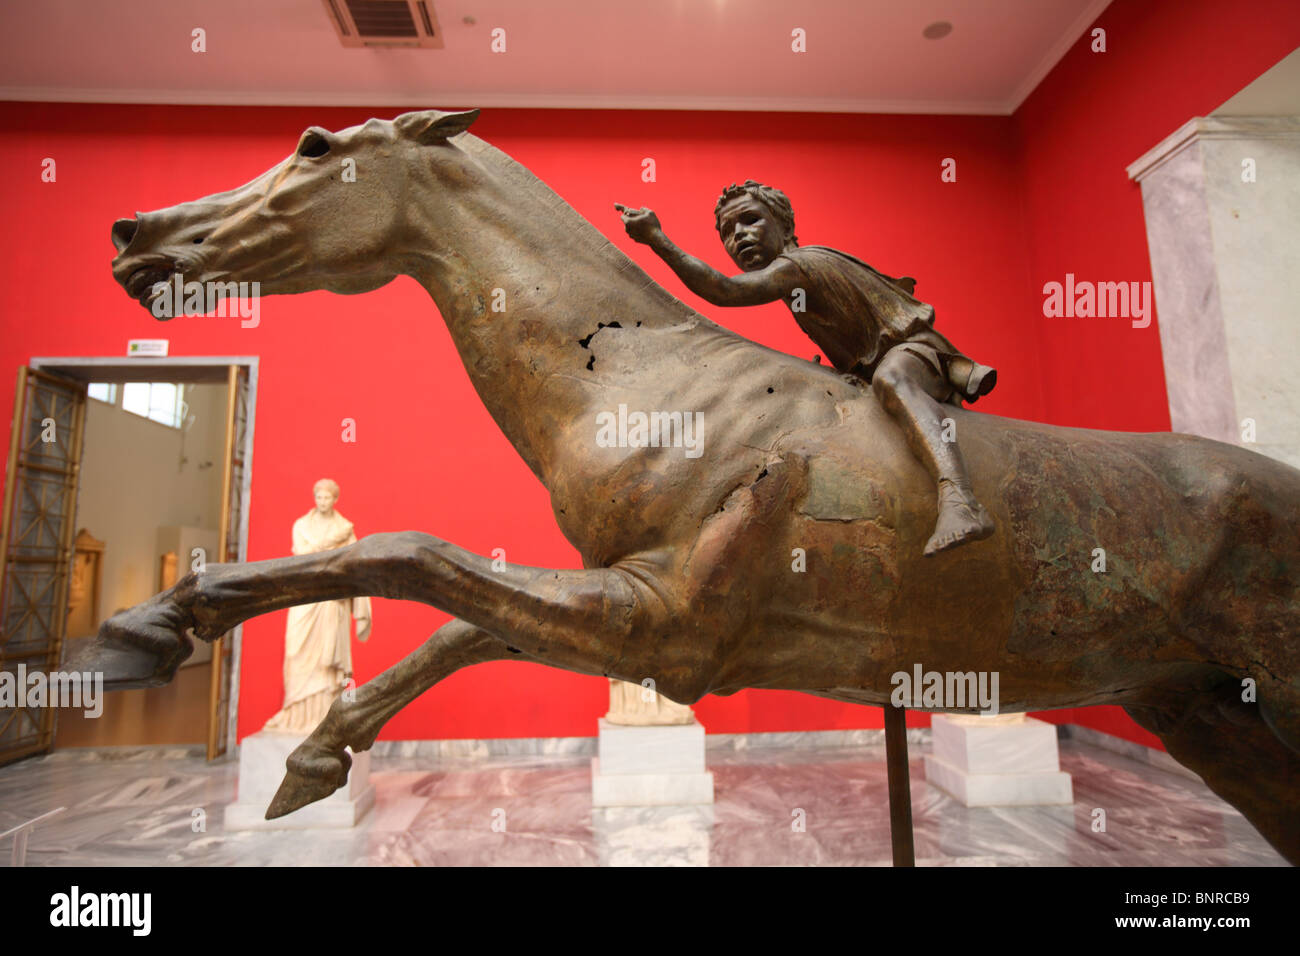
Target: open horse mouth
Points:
(139, 285)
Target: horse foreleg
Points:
(585, 620)
(320, 764)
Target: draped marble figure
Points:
(317, 649)
(637, 705)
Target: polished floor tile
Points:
(775, 806)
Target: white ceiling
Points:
(863, 55)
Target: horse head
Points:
(334, 215)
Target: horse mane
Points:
(525, 182)
(662, 307)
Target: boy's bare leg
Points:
(910, 390)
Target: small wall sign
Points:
(146, 348)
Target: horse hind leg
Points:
(1233, 746)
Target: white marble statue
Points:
(317, 646)
(636, 705)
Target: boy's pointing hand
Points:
(641, 224)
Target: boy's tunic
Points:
(856, 315)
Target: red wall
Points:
(1037, 194)
(1165, 62)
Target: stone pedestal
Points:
(992, 762)
(261, 768)
(650, 766)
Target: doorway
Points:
(158, 469)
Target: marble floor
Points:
(145, 807)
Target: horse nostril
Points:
(123, 233)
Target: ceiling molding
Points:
(595, 101)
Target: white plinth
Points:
(650, 766)
(998, 764)
(261, 769)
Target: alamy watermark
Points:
(178, 297)
(18, 688)
(1102, 300)
(624, 429)
(129, 910)
(945, 690)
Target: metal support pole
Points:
(900, 787)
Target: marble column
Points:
(1222, 203)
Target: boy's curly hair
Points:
(772, 198)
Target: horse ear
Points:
(431, 126)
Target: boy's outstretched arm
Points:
(774, 282)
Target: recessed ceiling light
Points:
(937, 30)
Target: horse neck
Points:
(522, 280)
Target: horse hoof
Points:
(309, 777)
(140, 647)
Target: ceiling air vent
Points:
(376, 23)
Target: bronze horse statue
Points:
(688, 576)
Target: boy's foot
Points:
(981, 381)
(961, 519)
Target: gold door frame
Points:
(29, 544)
(241, 401)
(234, 509)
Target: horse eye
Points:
(313, 144)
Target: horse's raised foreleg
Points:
(320, 764)
(587, 620)
(144, 645)
(611, 621)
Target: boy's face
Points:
(751, 234)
